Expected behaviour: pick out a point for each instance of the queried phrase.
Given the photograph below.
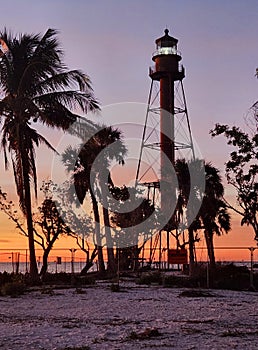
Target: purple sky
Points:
(113, 42)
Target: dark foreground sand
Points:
(136, 318)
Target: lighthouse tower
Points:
(167, 118)
(166, 71)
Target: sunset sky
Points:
(113, 41)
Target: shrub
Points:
(151, 278)
(146, 334)
(180, 282)
(115, 287)
(6, 277)
(195, 293)
(237, 281)
(57, 278)
(232, 277)
(80, 291)
(86, 280)
(13, 289)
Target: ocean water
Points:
(52, 267)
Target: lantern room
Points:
(166, 45)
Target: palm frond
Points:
(83, 128)
(57, 116)
(49, 48)
(73, 100)
(36, 86)
(69, 157)
(64, 80)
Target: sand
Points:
(138, 317)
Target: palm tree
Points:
(213, 212)
(213, 215)
(190, 190)
(90, 168)
(81, 180)
(109, 147)
(36, 86)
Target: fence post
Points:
(208, 276)
(26, 259)
(251, 287)
(72, 250)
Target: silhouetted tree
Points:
(36, 87)
(90, 167)
(190, 196)
(48, 225)
(129, 213)
(212, 216)
(213, 213)
(80, 225)
(242, 171)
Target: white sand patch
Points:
(101, 319)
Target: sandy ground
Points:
(139, 317)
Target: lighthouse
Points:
(166, 103)
(166, 70)
(166, 134)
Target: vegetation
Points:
(48, 225)
(115, 287)
(51, 221)
(154, 277)
(242, 172)
(128, 212)
(212, 217)
(196, 294)
(36, 87)
(89, 167)
(80, 225)
(213, 213)
(13, 289)
(12, 284)
(146, 334)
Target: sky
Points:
(113, 41)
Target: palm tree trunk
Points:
(29, 219)
(255, 227)
(97, 232)
(210, 247)
(110, 249)
(191, 251)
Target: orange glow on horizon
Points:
(238, 237)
